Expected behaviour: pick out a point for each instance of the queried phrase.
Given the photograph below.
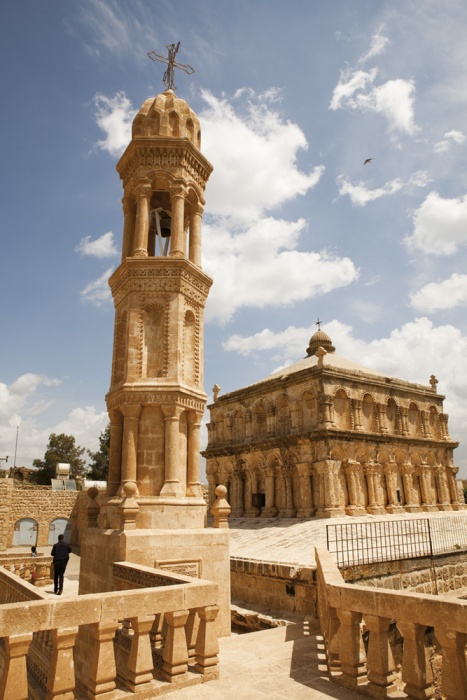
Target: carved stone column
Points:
(425, 424)
(177, 230)
(270, 510)
(326, 415)
(357, 414)
(238, 509)
(305, 495)
(444, 501)
(61, 672)
(407, 477)
(425, 488)
(171, 485)
(416, 667)
(457, 504)
(371, 472)
(380, 661)
(355, 506)
(289, 511)
(194, 249)
(207, 645)
(382, 418)
(115, 452)
(193, 477)
(251, 487)
(143, 197)
(129, 443)
(129, 215)
(327, 469)
(102, 669)
(404, 414)
(175, 654)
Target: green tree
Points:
(61, 448)
(99, 465)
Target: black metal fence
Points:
(391, 540)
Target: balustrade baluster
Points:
(379, 660)
(175, 654)
(102, 668)
(14, 681)
(332, 638)
(416, 670)
(61, 675)
(191, 631)
(454, 671)
(140, 663)
(351, 650)
(207, 644)
(156, 634)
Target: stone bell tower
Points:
(156, 398)
(154, 512)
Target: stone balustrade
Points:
(357, 623)
(125, 643)
(36, 570)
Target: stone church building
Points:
(327, 437)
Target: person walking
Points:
(61, 554)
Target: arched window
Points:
(260, 424)
(282, 416)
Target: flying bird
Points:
(368, 160)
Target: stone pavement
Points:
(293, 540)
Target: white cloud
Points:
(25, 403)
(98, 291)
(255, 154)
(102, 247)
(114, 116)
(349, 83)
(361, 195)
(436, 296)
(440, 225)
(420, 179)
(413, 352)
(377, 47)
(393, 99)
(450, 137)
(254, 267)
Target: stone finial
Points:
(215, 390)
(93, 508)
(433, 382)
(221, 509)
(129, 506)
(320, 353)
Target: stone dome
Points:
(319, 339)
(167, 116)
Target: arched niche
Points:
(392, 416)
(368, 414)
(309, 406)
(341, 410)
(414, 421)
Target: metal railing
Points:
(365, 543)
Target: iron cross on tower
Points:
(168, 77)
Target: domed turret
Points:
(320, 339)
(167, 115)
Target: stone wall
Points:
(293, 588)
(43, 505)
(274, 586)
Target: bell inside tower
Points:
(160, 225)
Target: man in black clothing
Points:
(61, 554)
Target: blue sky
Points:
(292, 98)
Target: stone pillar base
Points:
(430, 508)
(330, 512)
(287, 513)
(306, 512)
(355, 510)
(376, 510)
(237, 514)
(252, 513)
(394, 509)
(269, 513)
(412, 509)
(444, 506)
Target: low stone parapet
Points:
(357, 624)
(36, 570)
(137, 643)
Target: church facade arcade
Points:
(326, 437)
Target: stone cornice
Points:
(171, 155)
(343, 377)
(156, 394)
